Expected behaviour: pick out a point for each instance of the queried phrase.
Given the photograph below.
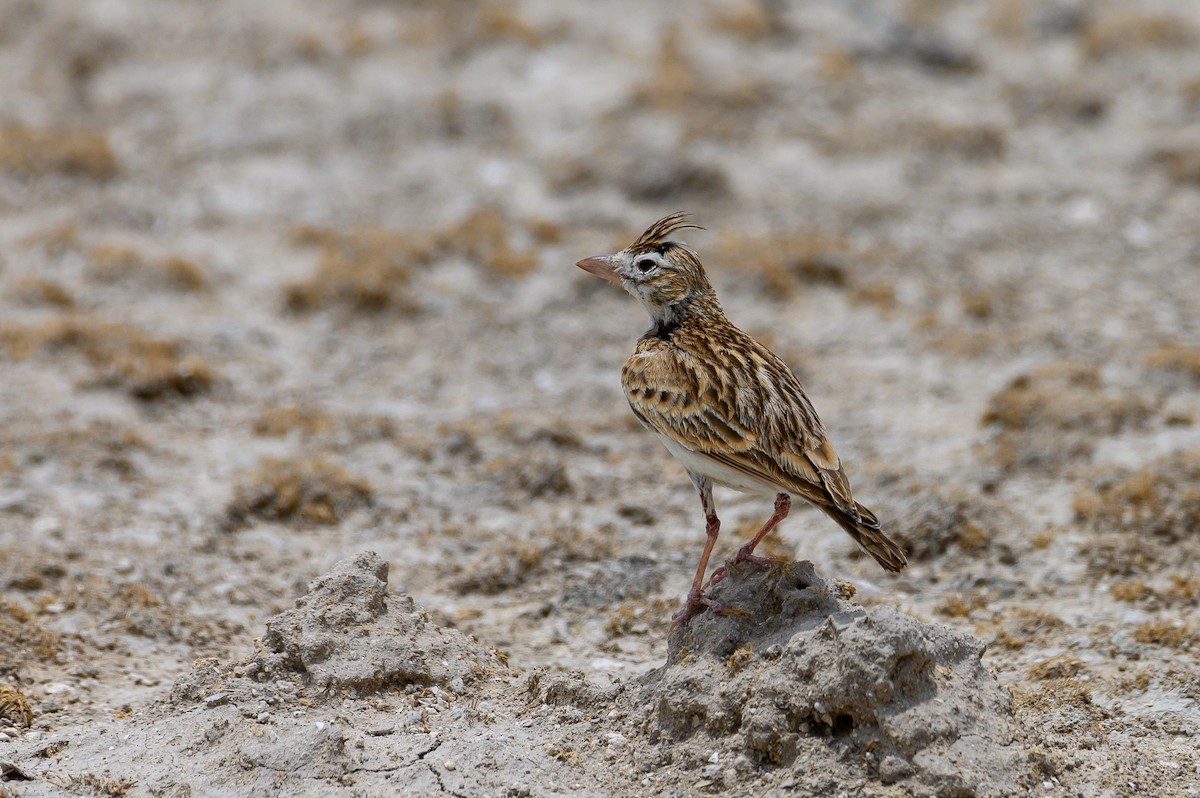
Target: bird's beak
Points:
(601, 266)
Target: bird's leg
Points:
(712, 526)
(783, 504)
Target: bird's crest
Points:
(656, 234)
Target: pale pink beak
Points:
(601, 266)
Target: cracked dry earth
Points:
(315, 475)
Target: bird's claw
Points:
(696, 601)
(744, 555)
(715, 578)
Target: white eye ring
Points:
(645, 265)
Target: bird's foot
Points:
(745, 555)
(696, 601)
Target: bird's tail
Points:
(865, 529)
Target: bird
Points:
(725, 406)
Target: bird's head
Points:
(665, 276)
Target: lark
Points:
(729, 410)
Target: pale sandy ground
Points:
(281, 283)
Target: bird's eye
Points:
(645, 265)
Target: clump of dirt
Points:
(146, 367)
(1054, 415)
(38, 151)
(795, 678)
(348, 634)
(310, 490)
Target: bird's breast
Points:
(718, 472)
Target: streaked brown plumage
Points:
(726, 406)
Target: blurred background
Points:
(281, 282)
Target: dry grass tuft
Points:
(365, 270)
(136, 608)
(40, 291)
(784, 263)
(34, 151)
(368, 270)
(1176, 357)
(1117, 30)
(55, 240)
(97, 785)
(1160, 501)
(502, 21)
(1144, 524)
(975, 142)
(1055, 414)
(279, 421)
(1129, 590)
(524, 477)
(1181, 162)
(483, 238)
(486, 121)
(956, 605)
(1171, 634)
(748, 20)
(739, 659)
(115, 263)
(24, 638)
(306, 491)
(508, 564)
(945, 518)
(14, 707)
(712, 107)
(147, 368)
(1061, 666)
(1025, 626)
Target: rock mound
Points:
(840, 696)
(346, 633)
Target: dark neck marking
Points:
(665, 329)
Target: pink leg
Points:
(783, 505)
(696, 598)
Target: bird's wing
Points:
(752, 417)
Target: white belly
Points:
(719, 473)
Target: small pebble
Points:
(448, 764)
(216, 700)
